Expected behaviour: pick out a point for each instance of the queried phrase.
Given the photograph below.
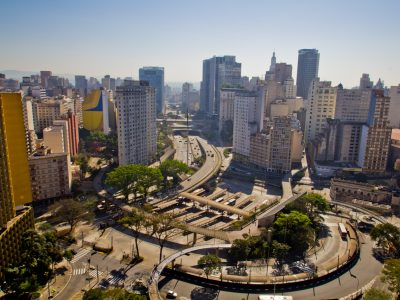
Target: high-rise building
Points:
(186, 89)
(281, 144)
(44, 77)
(29, 124)
(54, 138)
(50, 174)
(155, 77)
(352, 105)
(45, 112)
(15, 186)
(81, 84)
(72, 132)
(95, 111)
(218, 72)
(136, 122)
(320, 105)
(375, 136)
(226, 108)
(365, 82)
(307, 70)
(394, 111)
(112, 117)
(106, 82)
(247, 120)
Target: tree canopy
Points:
(70, 211)
(391, 274)
(295, 230)
(209, 263)
(172, 168)
(37, 253)
(137, 221)
(163, 229)
(134, 179)
(387, 236)
(111, 294)
(376, 294)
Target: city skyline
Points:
(99, 40)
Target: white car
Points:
(171, 294)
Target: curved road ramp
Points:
(326, 272)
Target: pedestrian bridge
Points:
(220, 206)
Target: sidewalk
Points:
(63, 271)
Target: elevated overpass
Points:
(217, 205)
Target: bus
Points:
(273, 297)
(342, 230)
(219, 199)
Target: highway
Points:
(210, 167)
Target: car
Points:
(171, 294)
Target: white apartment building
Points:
(226, 107)
(136, 122)
(320, 105)
(248, 119)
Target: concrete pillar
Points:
(194, 238)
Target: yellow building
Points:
(95, 111)
(15, 186)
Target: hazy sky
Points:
(96, 37)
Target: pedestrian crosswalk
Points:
(93, 273)
(81, 253)
(84, 270)
(79, 271)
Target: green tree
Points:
(163, 228)
(111, 294)
(209, 263)
(93, 294)
(148, 178)
(391, 274)
(240, 249)
(122, 179)
(295, 230)
(387, 236)
(136, 220)
(309, 204)
(172, 168)
(32, 269)
(376, 294)
(82, 161)
(280, 251)
(70, 211)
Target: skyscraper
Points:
(155, 77)
(218, 72)
(15, 186)
(44, 77)
(321, 105)
(307, 70)
(375, 136)
(136, 122)
(81, 84)
(186, 89)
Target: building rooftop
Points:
(395, 134)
